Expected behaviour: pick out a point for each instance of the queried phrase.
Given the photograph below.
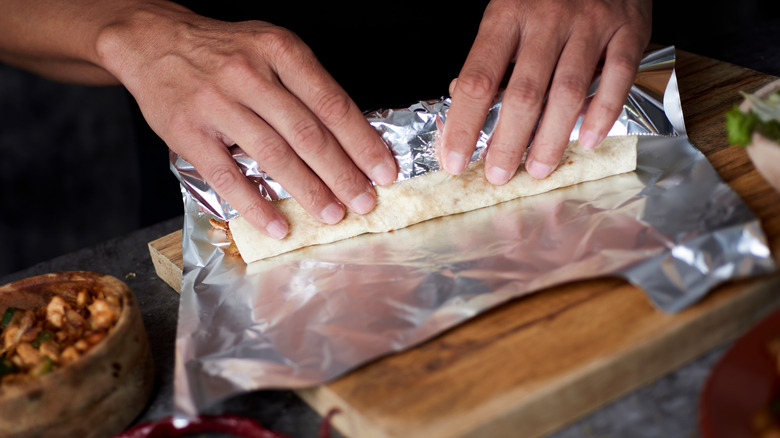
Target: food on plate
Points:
(432, 195)
(36, 342)
(755, 123)
(760, 114)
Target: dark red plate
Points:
(741, 384)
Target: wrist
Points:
(123, 44)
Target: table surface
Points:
(665, 407)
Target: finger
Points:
(623, 55)
(476, 88)
(220, 171)
(277, 158)
(311, 142)
(568, 90)
(308, 80)
(522, 102)
(361, 142)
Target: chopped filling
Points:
(232, 249)
(36, 342)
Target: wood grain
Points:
(168, 259)
(536, 363)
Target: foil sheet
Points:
(672, 227)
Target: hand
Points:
(204, 84)
(555, 43)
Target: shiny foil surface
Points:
(672, 227)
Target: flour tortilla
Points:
(433, 195)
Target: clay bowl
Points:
(99, 394)
(765, 153)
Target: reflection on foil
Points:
(673, 228)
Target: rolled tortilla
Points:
(433, 195)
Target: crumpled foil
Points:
(672, 227)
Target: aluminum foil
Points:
(411, 134)
(673, 228)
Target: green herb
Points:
(764, 118)
(43, 368)
(740, 126)
(770, 130)
(43, 336)
(8, 315)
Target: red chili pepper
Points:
(325, 425)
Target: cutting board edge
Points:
(166, 255)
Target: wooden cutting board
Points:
(537, 363)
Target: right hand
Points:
(204, 85)
(549, 50)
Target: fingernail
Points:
(497, 176)
(383, 174)
(455, 163)
(590, 139)
(538, 170)
(332, 213)
(276, 229)
(362, 203)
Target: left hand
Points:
(552, 43)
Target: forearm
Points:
(60, 40)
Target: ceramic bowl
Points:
(100, 393)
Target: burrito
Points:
(432, 195)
